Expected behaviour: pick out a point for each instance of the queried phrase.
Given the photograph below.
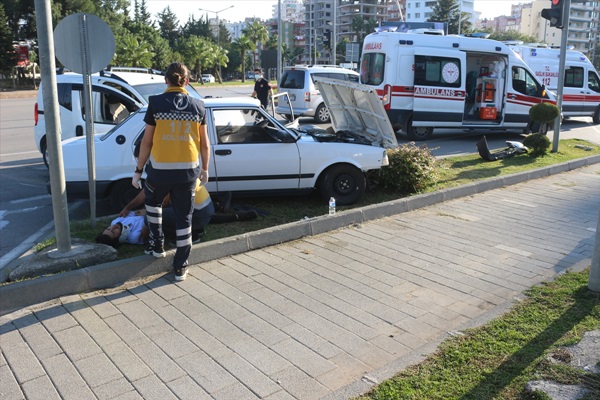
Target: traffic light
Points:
(327, 39)
(555, 14)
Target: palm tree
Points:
(131, 52)
(258, 34)
(219, 58)
(198, 53)
(244, 44)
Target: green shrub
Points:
(537, 144)
(411, 169)
(544, 112)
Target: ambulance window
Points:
(524, 82)
(437, 71)
(372, 68)
(593, 81)
(574, 77)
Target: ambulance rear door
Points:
(439, 90)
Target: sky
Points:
(263, 8)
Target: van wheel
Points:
(345, 183)
(122, 193)
(44, 149)
(596, 117)
(419, 132)
(322, 114)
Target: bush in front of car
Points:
(411, 169)
(537, 144)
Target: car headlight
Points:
(385, 161)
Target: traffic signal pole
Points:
(561, 69)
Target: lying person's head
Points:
(112, 236)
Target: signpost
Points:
(85, 57)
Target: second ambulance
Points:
(435, 81)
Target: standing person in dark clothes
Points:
(262, 88)
(175, 151)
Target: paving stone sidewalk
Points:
(324, 317)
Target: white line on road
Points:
(18, 154)
(26, 245)
(34, 198)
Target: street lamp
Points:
(218, 30)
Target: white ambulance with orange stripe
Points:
(581, 89)
(435, 81)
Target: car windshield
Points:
(150, 89)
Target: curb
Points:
(26, 293)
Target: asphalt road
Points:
(26, 213)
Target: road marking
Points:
(18, 154)
(34, 198)
(26, 245)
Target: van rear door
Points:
(439, 90)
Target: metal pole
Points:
(53, 129)
(89, 126)
(279, 31)
(561, 74)
(594, 278)
(333, 33)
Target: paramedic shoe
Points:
(156, 251)
(181, 274)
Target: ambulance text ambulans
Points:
(581, 90)
(435, 81)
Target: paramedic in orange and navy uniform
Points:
(175, 151)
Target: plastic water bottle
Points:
(331, 206)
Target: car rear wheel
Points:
(345, 183)
(418, 133)
(322, 114)
(122, 193)
(44, 149)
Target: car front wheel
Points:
(345, 183)
(322, 114)
(122, 193)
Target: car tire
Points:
(419, 133)
(596, 117)
(122, 193)
(322, 114)
(44, 150)
(345, 183)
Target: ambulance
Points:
(581, 90)
(429, 81)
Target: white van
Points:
(116, 93)
(581, 91)
(432, 81)
(306, 100)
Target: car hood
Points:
(357, 109)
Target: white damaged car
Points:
(254, 153)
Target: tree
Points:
(8, 58)
(512, 35)
(169, 26)
(219, 58)
(258, 34)
(197, 53)
(449, 11)
(195, 27)
(243, 44)
(133, 53)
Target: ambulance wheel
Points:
(322, 114)
(418, 133)
(122, 193)
(345, 183)
(596, 117)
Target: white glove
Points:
(203, 177)
(135, 181)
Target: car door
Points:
(574, 91)
(109, 107)
(439, 91)
(523, 91)
(248, 155)
(592, 94)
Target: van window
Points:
(372, 68)
(334, 75)
(292, 79)
(593, 81)
(523, 82)
(574, 77)
(437, 71)
(64, 96)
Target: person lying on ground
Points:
(129, 227)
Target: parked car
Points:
(252, 152)
(116, 93)
(208, 78)
(298, 82)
